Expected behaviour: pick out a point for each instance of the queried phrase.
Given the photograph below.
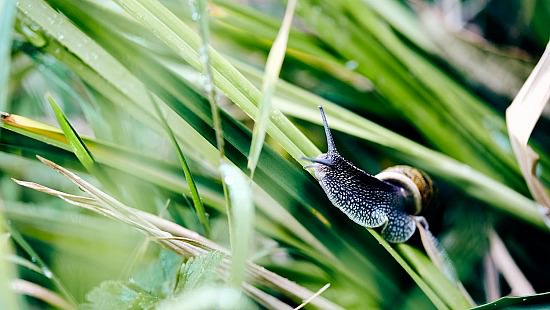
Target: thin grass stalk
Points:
(197, 202)
(200, 13)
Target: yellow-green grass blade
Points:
(197, 202)
(78, 147)
(271, 75)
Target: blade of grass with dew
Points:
(537, 301)
(272, 70)
(197, 202)
(240, 198)
(521, 118)
(204, 56)
(18, 238)
(8, 299)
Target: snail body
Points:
(388, 200)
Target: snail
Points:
(389, 200)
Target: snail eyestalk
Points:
(325, 162)
(330, 142)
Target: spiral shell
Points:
(416, 183)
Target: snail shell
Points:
(416, 184)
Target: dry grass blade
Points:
(521, 117)
(510, 271)
(169, 234)
(31, 289)
(319, 292)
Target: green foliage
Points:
(164, 278)
(159, 98)
(198, 271)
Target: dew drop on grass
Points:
(47, 272)
(351, 65)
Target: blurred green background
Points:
(422, 83)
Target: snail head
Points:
(328, 160)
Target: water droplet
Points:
(351, 64)
(195, 16)
(47, 273)
(60, 37)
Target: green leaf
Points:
(271, 76)
(199, 271)
(159, 277)
(115, 295)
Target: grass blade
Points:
(272, 70)
(204, 56)
(79, 148)
(18, 238)
(538, 301)
(197, 202)
(32, 289)
(242, 223)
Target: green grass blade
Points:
(18, 238)
(8, 299)
(538, 301)
(242, 220)
(271, 76)
(204, 56)
(78, 146)
(197, 202)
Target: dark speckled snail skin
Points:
(388, 200)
